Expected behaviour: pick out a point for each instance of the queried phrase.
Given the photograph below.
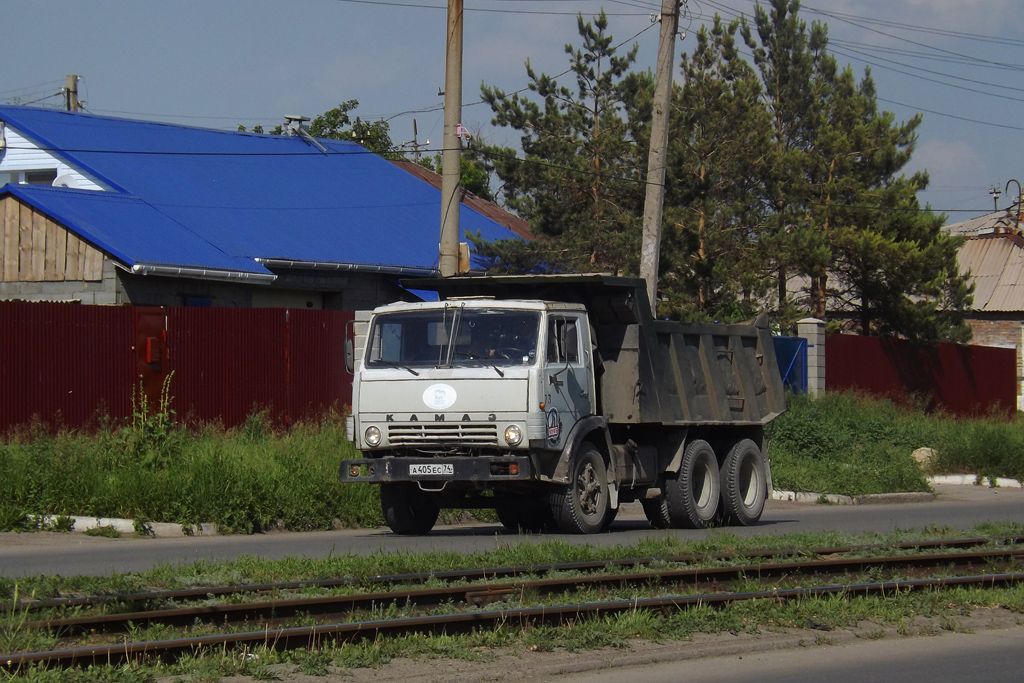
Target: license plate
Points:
(431, 469)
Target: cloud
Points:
(948, 158)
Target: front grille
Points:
(467, 434)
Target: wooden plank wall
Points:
(34, 248)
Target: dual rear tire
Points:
(705, 493)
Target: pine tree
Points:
(576, 181)
(719, 134)
(841, 211)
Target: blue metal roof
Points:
(205, 198)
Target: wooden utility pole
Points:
(451, 157)
(654, 200)
(71, 92)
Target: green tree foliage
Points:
(577, 182)
(474, 173)
(840, 208)
(337, 124)
(785, 187)
(719, 132)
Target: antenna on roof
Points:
(296, 126)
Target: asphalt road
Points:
(960, 507)
(950, 658)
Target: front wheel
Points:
(407, 510)
(744, 485)
(581, 507)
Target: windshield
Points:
(482, 336)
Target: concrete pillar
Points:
(813, 330)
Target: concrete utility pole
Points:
(653, 209)
(71, 92)
(451, 157)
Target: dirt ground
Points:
(502, 665)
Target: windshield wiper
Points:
(398, 365)
(474, 356)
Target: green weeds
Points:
(255, 478)
(243, 480)
(846, 444)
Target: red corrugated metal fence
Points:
(63, 363)
(959, 379)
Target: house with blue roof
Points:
(113, 211)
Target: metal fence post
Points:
(813, 330)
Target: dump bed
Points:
(652, 371)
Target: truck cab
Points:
(469, 401)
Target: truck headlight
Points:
(513, 435)
(372, 436)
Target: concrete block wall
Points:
(103, 292)
(813, 330)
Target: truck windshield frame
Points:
(483, 337)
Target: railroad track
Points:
(494, 573)
(1001, 564)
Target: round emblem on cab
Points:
(439, 396)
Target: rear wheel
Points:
(692, 495)
(744, 485)
(656, 510)
(581, 506)
(407, 510)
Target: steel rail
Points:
(479, 594)
(492, 573)
(313, 636)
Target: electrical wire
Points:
(30, 88)
(56, 94)
(439, 107)
(482, 10)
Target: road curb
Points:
(811, 498)
(975, 480)
(127, 526)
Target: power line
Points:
(483, 9)
(951, 116)
(31, 88)
(56, 94)
(932, 80)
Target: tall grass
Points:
(848, 444)
(254, 478)
(244, 480)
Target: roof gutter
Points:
(202, 273)
(350, 267)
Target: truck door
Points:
(567, 384)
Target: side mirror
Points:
(349, 356)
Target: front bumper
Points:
(475, 468)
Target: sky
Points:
(221, 63)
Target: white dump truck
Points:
(556, 399)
